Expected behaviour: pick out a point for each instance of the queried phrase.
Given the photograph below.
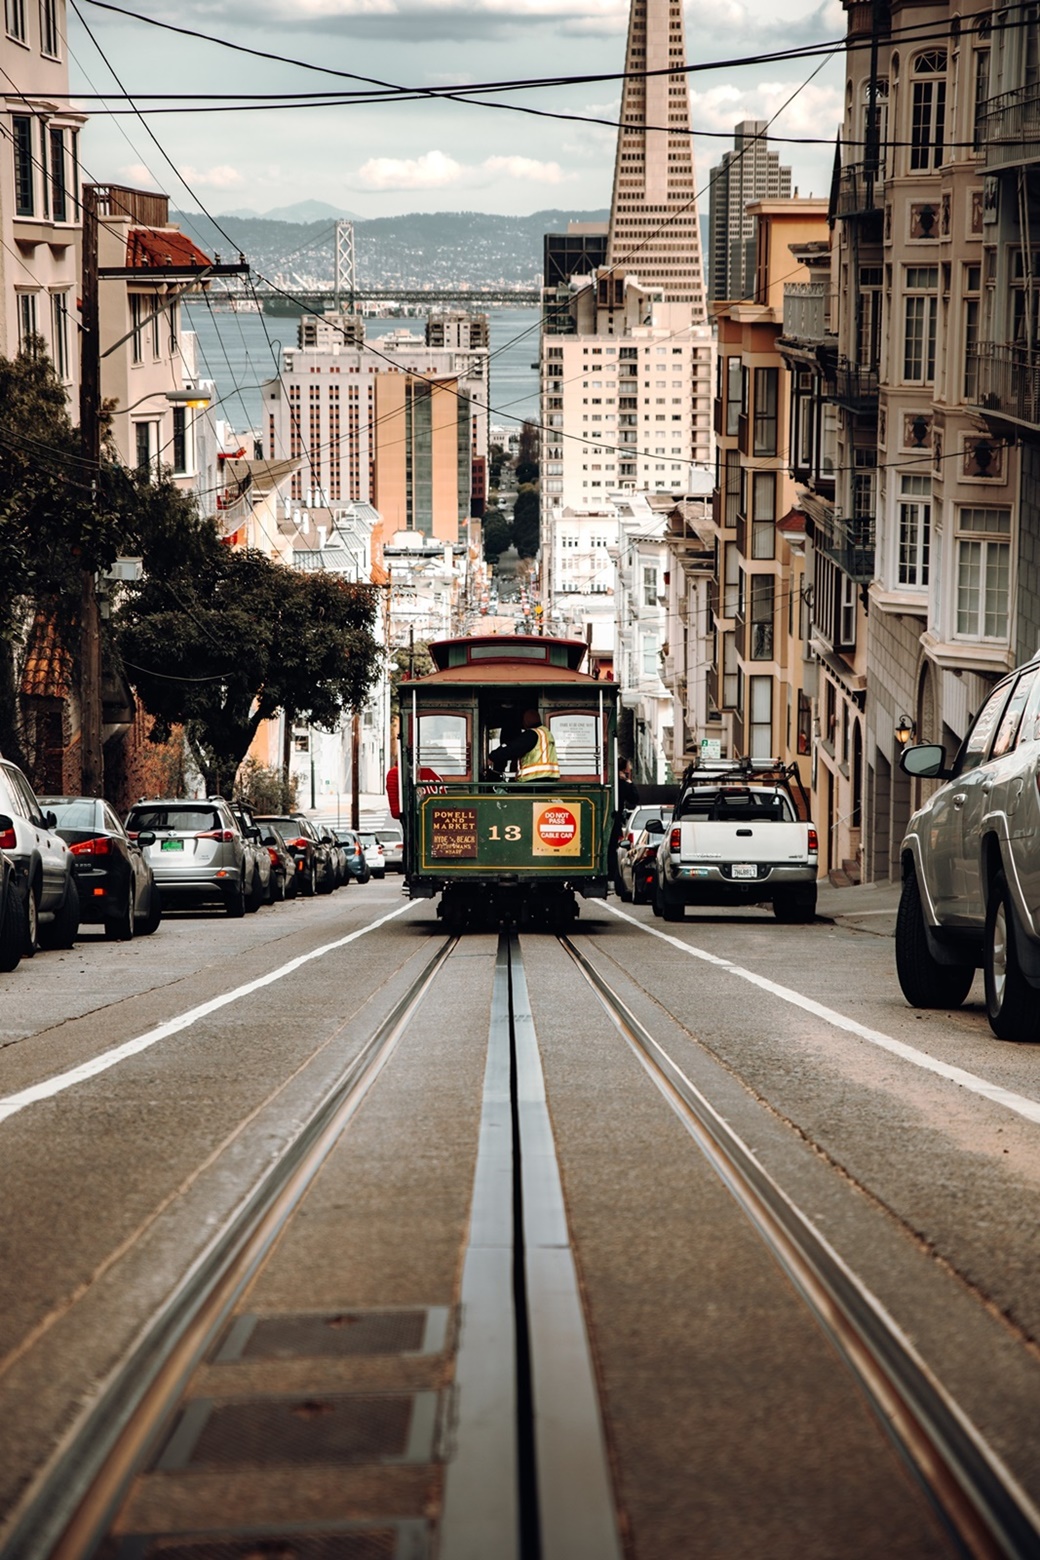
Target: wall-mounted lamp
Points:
(905, 729)
(197, 398)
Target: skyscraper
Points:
(748, 173)
(654, 233)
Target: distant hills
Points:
(442, 248)
(303, 211)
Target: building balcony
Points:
(850, 543)
(805, 311)
(860, 189)
(1009, 128)
(854, 387)
(1007, 381)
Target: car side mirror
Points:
(252, 834)
(51, 820)
(655, 826)
(145, 838)
(927, 761)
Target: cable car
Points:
(494, 846)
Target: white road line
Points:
(1018, 1103)
(11, 1104)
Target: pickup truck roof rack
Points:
(766, 770)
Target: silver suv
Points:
(198, 852)
(971, 865)
(46, 883)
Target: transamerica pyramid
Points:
(654, 233)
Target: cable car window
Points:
(576, 747)
(444, 745)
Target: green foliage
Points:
(220, 640)
(406, 663)
(526, 472)
(498, 534)
(265, 789)
(526, 522)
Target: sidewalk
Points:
(865, 907)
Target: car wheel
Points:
(924, 982)
(620, 890)
(256, 894)
(122, 927)
(31, 926)
(11, 933)
(61, 932)
(278, 893)
(235, 902)
(795, 905)
(665, 906)
(309, 885)
(328, 882)
(366, 877)
(1012, 1006)
(151, 921)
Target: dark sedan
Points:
(357, 863)
(314, 869)
(12, 916)
(115, 882)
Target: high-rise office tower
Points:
(654, 234)
(748, 173)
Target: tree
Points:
(526, 472)
(498, 534)
(529, 433)
(526, 522)
(223, 640)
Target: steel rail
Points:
(987, 1512)
(72, 1503)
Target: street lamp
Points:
(905, 729)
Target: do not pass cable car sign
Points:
(556, 831)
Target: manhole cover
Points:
(303, 1335)
(278, 1431)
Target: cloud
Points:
(816, 111)
(222, 177)
(136, 174)
(526, 168)
(436, 170)
(432, 171)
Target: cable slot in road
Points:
(988, 1514)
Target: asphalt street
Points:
(146, 1087)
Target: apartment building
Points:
(688, 649)
(147, 368)
(40, 219)
(748, 173)
(911, 447)
(391, 422)
(1002, 369)
(757, 681)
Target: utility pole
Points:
(355, 764)
(92, 777)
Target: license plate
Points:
(172, 845)
(744, 869)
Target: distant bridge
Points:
(282, 302)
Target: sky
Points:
(376, 160)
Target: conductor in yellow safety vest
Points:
(533, 751)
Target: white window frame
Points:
(913, 537)
(982, 572)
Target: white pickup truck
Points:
(740, 834)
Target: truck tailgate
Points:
(758, 842)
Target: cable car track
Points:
(73, 1505)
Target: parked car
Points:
(356, 857)
(258, 861)
(310, 853)
(283, 863)
(633, 825)
(639, 867)
(116, 884)
(12, 916)
(46, 882)
(971, 865)
(373, 850)
(337, 855)
(391, 838)
(196, 853)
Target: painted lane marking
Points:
(1018, 1103)
(11, 1104)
